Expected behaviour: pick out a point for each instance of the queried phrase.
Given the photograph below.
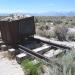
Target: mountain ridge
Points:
(71, 13)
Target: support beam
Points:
(53, 43)
(21, 57)
(11, 53)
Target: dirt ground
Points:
(8, 66)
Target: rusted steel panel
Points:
(27, 26)
(14, 31)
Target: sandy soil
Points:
(9, 67)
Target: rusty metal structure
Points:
(14, 31)
(19, 33)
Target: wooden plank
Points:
(20, 57)
(42, 49)
(53, 53)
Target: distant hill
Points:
(72, 13)
(4, 14)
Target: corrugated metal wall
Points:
(12, 32)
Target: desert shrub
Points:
(49, 20)
(68, 63)
(61, 32)
(30, 66)
(73, 23)
(41, 28)
(45, 27)
(57, 22)
(52, 34)
(71, 36)
(48, 70)
(46, 33)
(66, 22)
(71, 20)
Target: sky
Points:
(36, 6)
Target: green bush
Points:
(30, 66)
